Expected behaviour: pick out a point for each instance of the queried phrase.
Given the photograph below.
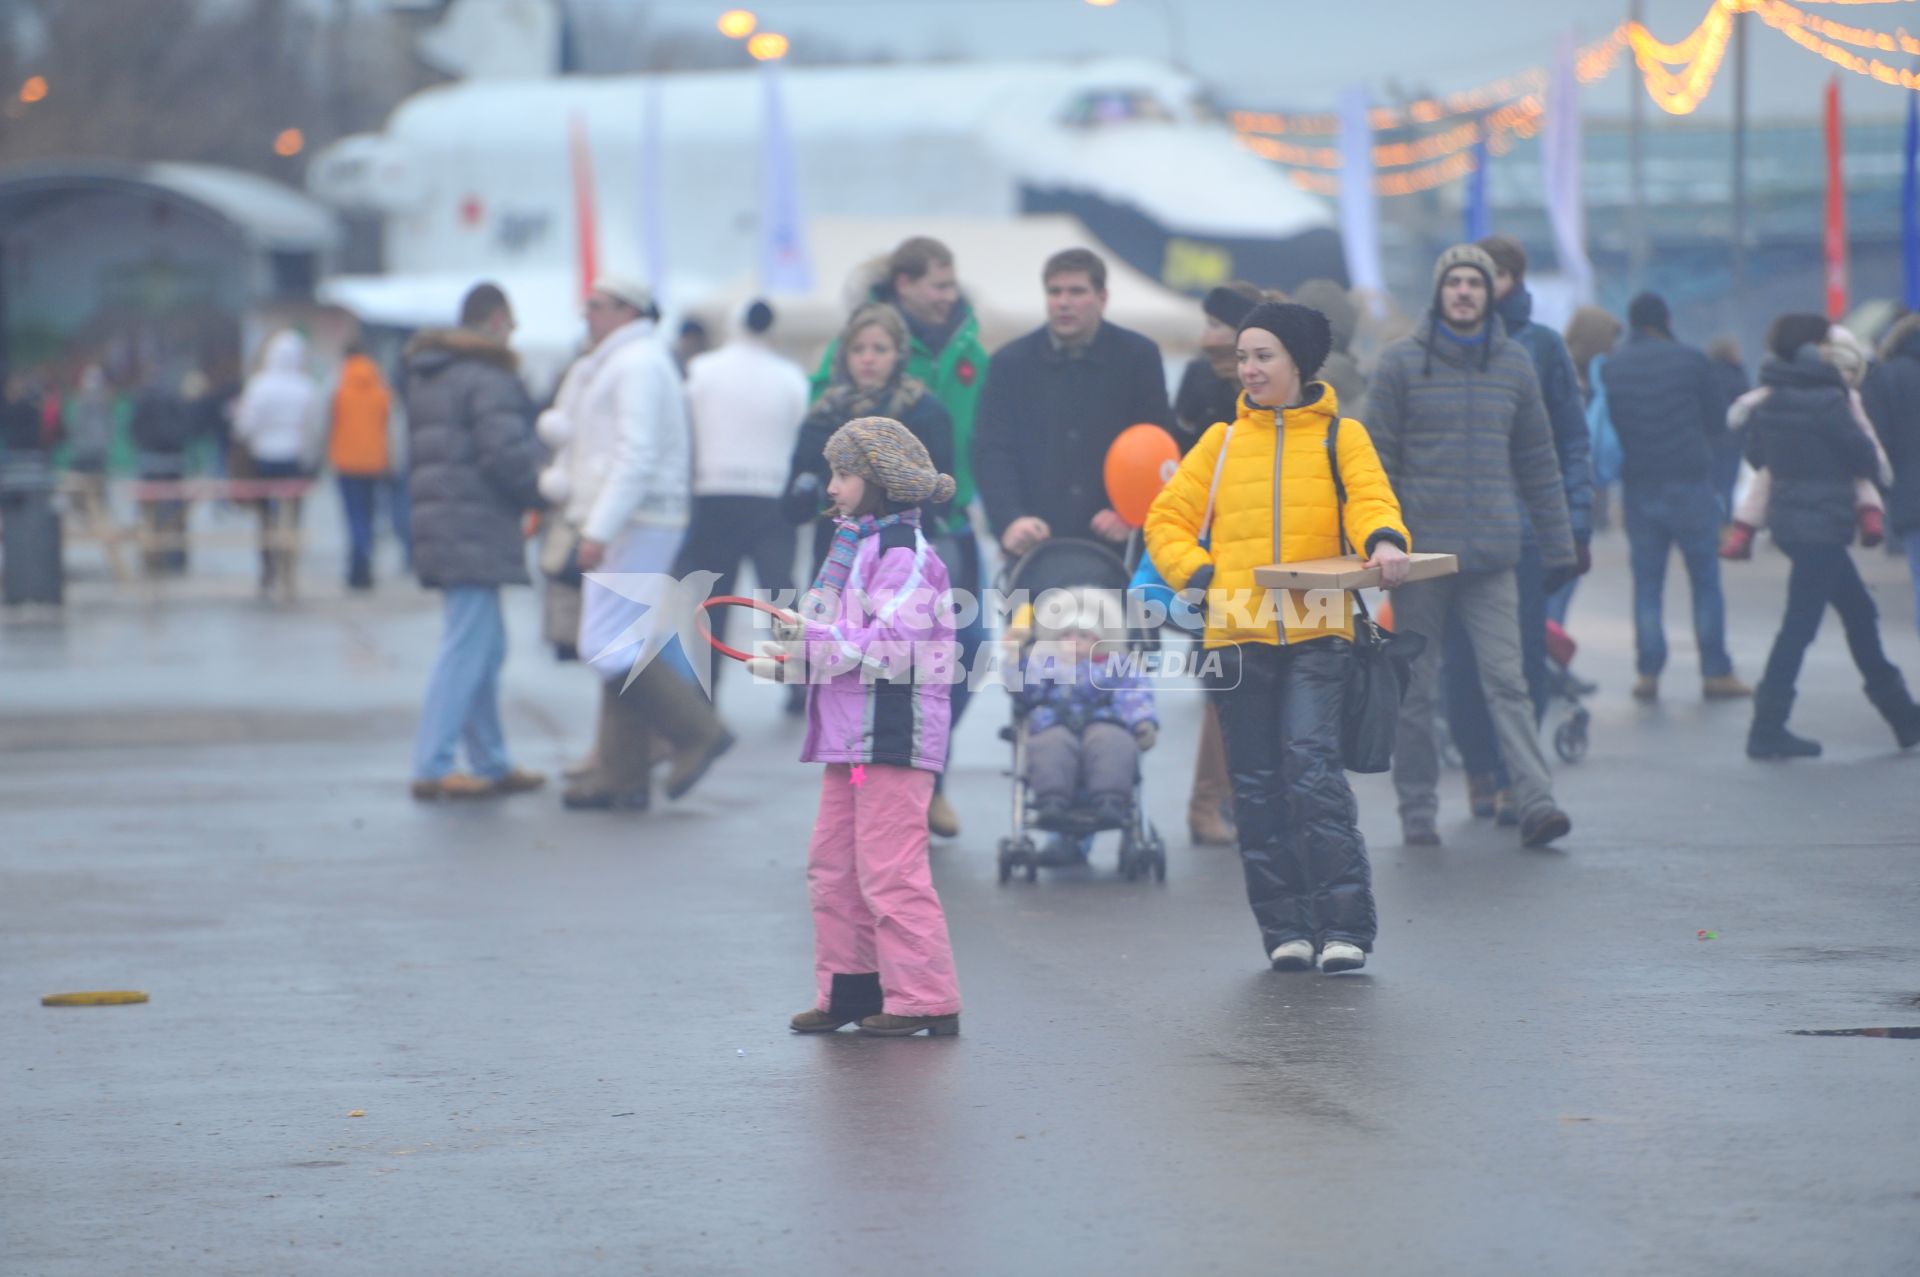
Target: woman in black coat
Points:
(1806, 435)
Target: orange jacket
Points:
(360, 409)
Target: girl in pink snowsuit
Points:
(879, 651)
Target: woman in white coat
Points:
(623, 480)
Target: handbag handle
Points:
(1219, 463)
(1340, 507)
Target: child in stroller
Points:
(1087, 720)
(1082, 718)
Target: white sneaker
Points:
(1339, 956)
(1294, 955)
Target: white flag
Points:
(1560, 157)
(653, 196)
(1359, 217)
(784, 267)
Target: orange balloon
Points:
(1139, 464)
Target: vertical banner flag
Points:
(1359, 219)
(653, 231)
(584, 228)
(784, 267)
(1478, 221)
(1561, 157)
(1836, 209)
(1910, 204)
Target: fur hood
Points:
(432, 346)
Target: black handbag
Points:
(1382, 666)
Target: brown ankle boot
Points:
(815, 1020)
(905, 1026)
(1483, 795)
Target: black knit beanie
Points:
(1227, 306)
(1303, 330)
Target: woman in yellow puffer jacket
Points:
(1263, 488)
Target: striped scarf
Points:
(823, 600)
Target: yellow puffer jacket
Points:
(1252, 527)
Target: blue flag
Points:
(1477, 219)
(1910, 203)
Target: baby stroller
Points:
(1059, 565)
(1570, 734)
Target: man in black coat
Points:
(1669, 410)
(1053, 404)
(474, 468)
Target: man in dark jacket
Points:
(1488, 788)
(1669, 410)
(474, 466)
(1054, 402)
(1892, 396)
(1456, 414)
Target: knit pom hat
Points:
(1303, 330)
(881, 450)
(1463, 255)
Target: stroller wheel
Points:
(1570, 738)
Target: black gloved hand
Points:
(1554, 577)
(801, 502)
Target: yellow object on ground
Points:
(102, 998)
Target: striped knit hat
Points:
(881, 450)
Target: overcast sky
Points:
(1299, 53)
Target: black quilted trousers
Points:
(1300, 844)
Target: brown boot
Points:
(1724, 687)
(677, 710)
(1483, 795)
(818, 1021)
(1646, 688)
(454, 785)
(622, 770)
(1212, 788)
(905, 1026)
(521, 781)
(942, 820)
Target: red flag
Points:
(1836, 209)
(582, 154)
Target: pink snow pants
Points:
(874, 907)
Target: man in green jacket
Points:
(949, 360)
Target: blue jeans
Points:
(463, 696)
(1660, 515)
(1468, 719)
(356, 499)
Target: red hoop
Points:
(736, 600)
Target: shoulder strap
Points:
(1340, 506)
(1339, 485)
(1213, 489)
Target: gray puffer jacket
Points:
(475, 460)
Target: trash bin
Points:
(30, 566)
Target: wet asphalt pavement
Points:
(567, 1032)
